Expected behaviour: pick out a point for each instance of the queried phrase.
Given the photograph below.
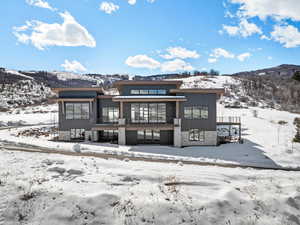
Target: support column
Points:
(95, 135)
(177, 133)
(122, 132)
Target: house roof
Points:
(118, 84)
(199, 91)
(97, 89)
(149, 98)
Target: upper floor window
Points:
(110, 114)
(148, 113)
(196, 135)
(196, 112)
(77, 111)
(148, 92)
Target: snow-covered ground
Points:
(266, 143)
(39, 189)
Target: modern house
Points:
(144, 112)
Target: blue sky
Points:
(149, 36)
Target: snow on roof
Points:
(149, 96)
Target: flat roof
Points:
(199, 90)
(117, 84)
(149, 98)
(97, 89)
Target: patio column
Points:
(177, 127)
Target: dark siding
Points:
(199, 99)
(125, 90)
(131, 137)
(68, 124)
(166, 137)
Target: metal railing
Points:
(229, 119)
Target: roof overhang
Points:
(149, 99)
(219, 91)
(97, 89)
(119, 84)
(74, 99)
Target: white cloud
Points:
(243, 56)
(244, 29)
(212, 60)
(73, 66)
(142, 61)
(287, 35)
(41, 4)
(278, 9)
(179, 52)
(270, 57)
(69, 33)
(264, 37)
(220, 52)
(108, 7)
(176, 65)
(131, 2)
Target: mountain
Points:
(273, 85)
(21, 88)
(284, 70)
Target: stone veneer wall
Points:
(210, 139)
(64, 135)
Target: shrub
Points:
(296, 76)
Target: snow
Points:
(14, 72)
(41, 189)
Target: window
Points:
(161, 92)
(148, 92)
(196, 135)
(148, 113)
(135, 92)
(77, 134)
(196, 112)
(110, 114)
(148, 136)
(77, 111)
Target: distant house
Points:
(144, 112)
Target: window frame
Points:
(77, 134)
(77, 111)
(196, 112)
(148, 113)
(196, 135)
(110, 114)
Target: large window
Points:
(110, 114)
(77, 111)
(109, 135)
(196, 112)
(148, 136)
(77, 134)
(196, 135)
(148, 113)
(148, 92)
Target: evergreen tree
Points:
(297, 124)
(296, 76)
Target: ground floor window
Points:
(77, 134)
(196, 135)
(148, 136)
(109, 135)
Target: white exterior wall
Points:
(210, 139)
(64, 135)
